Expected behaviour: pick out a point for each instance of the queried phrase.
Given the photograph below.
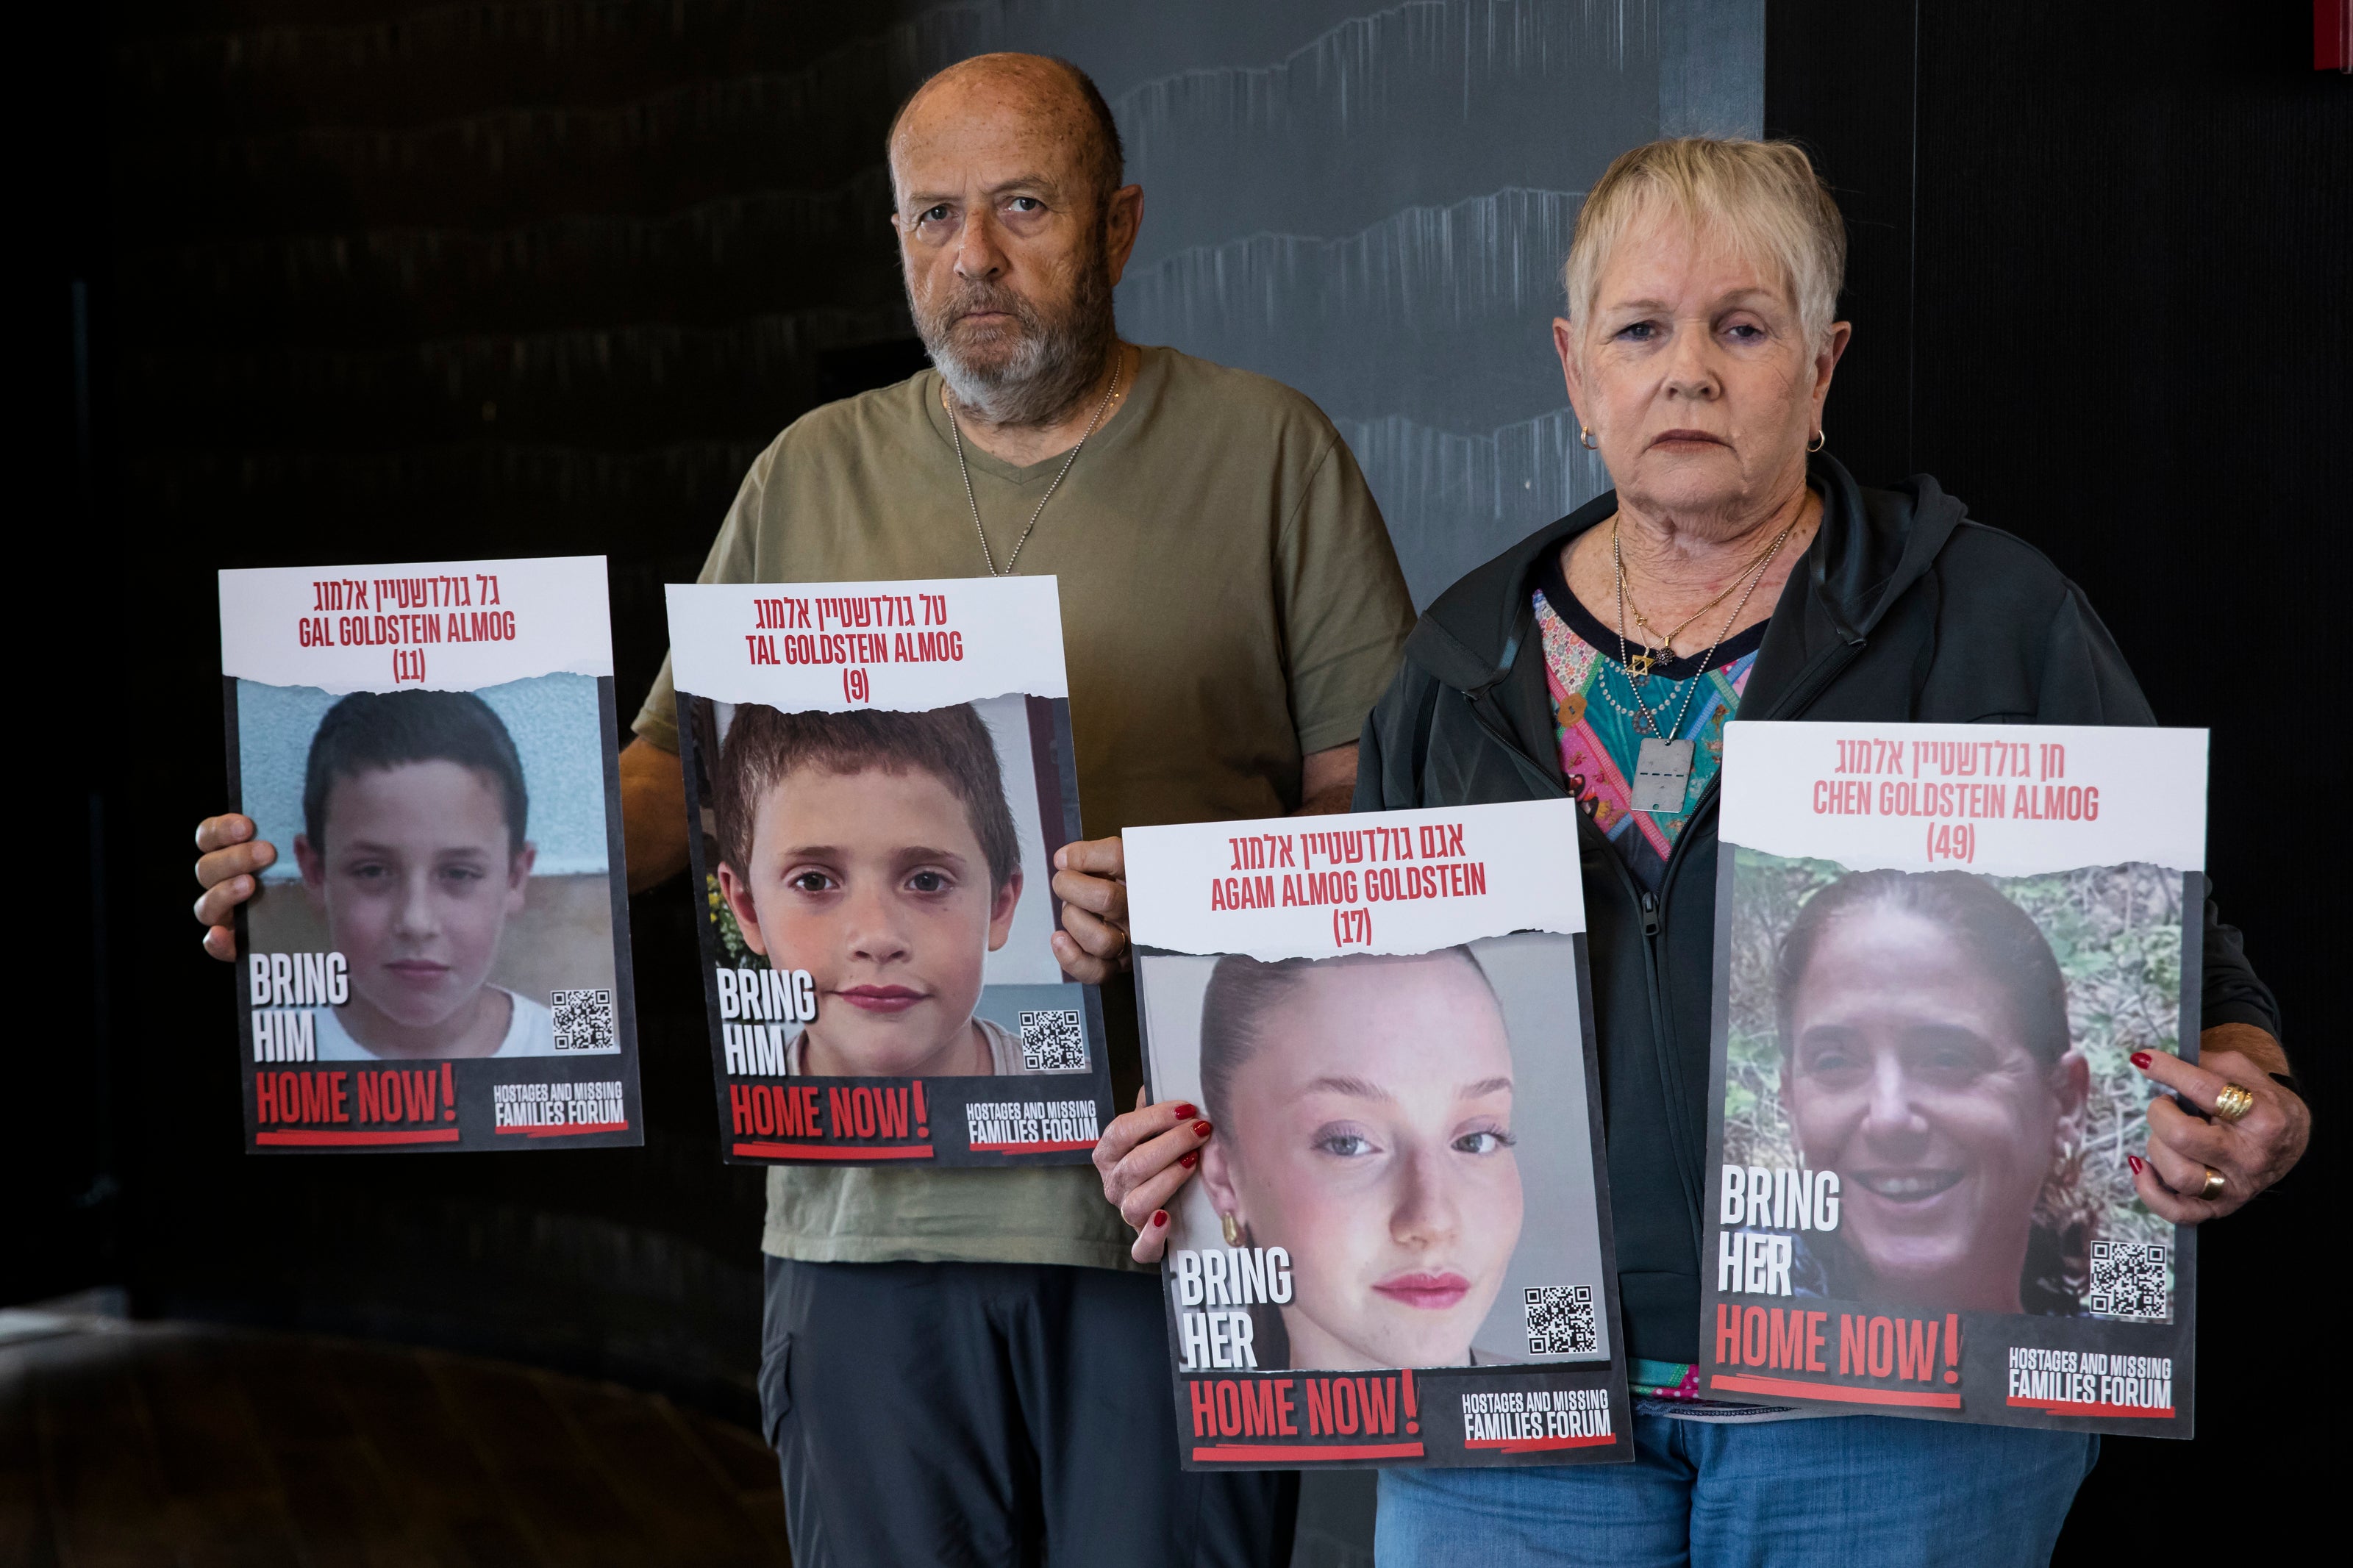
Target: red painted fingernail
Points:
(1189, 1160)
(1200, 1130)
(1159, 1216)
(2140, 1060)
(1186, 1112)
(2134, 1161)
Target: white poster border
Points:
(833, 648)
(1384, 882)
(441, 625)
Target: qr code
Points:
(1560, 1319)
(1051, 1041)
(584, 1020)
(2128, 1281)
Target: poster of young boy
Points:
(1397, 1250)
(440, 957)
(1938, 947)
(878, 778)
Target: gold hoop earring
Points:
(1585, 439)
(1820, 437)
(1233, 1228)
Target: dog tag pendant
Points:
(1662, 776)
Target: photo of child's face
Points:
(1370, 1134)
(876, 883)
(417, 882)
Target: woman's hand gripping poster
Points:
(1396, 1251)
(1938, 948)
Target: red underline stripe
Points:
(2061, 1407)
(1031, 1148)
(359, 1140)
(834, 1151)
(1538, 1444)
(1292, 1453)
(568, 1130)
(1796, 1388)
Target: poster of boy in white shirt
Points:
(429, 753)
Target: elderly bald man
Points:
(965, 1366)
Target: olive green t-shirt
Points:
(1230, 603)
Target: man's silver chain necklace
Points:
(956, 434)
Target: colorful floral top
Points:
(1593, 701)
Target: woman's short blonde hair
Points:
(1764, 198)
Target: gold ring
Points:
(2214, 1185)
(2233, 1102)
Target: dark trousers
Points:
(993, 1415)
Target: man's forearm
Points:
(1327, 782)
(1332, 801)
(653, 813)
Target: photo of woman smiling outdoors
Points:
(1917, 1034)
(1926, 1059)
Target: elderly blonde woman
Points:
(1737, 568)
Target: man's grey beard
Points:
(1052, 366)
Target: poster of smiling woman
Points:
(439, 957)
(1938, 948)
(1398, 1252)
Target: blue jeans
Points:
(1870, 1491)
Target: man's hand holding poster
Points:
(438, 956)
(1397, 1250)
(1938, 948)
(878, 778)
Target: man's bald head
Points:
(1013, 230)
(1057, 99)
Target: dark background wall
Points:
(2103, 261)
(361, 281)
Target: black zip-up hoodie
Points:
(1903, 610)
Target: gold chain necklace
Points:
(1626, 592)
(1662, 764)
